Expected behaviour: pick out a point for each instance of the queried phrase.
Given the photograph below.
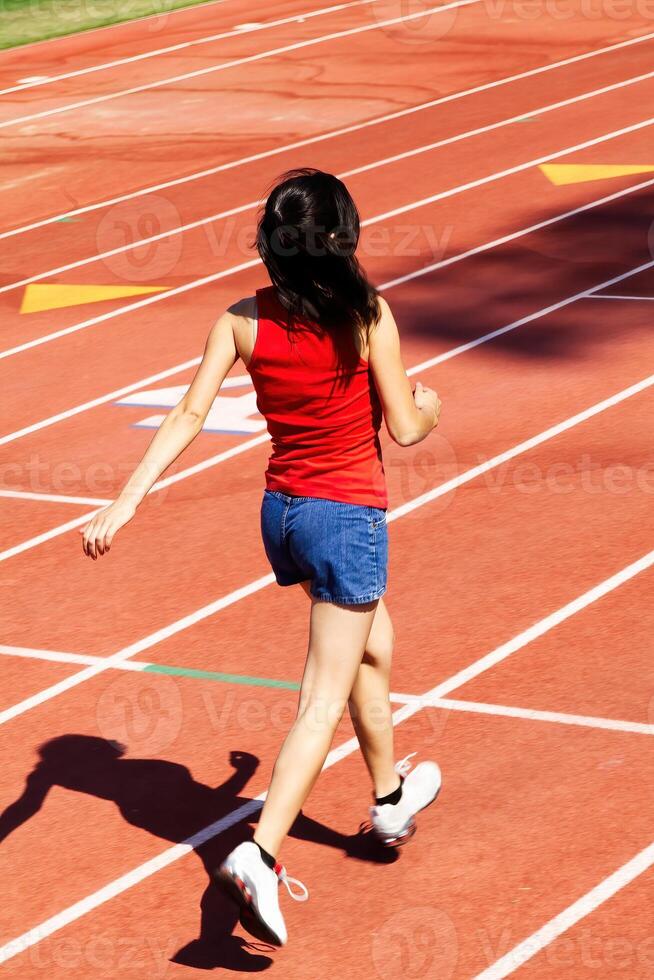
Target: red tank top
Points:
(321, 407)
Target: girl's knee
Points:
(321, 713)
(379, 650)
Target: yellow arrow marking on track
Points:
(40, 296)
(578, 173)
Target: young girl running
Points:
(323, 352)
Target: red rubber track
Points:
(615, 630)
(533, 814)
(115, 147)
(195, 199)
(615, 940)
(18, 517)
(92, 48)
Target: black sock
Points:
(392, 798)
(267, 858)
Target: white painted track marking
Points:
(447, 704)
(374, 165)
(637, 299)
(542, 626)
(236, 62)
(570, 916)
(332, 134)
(40, 81)
(528, 714)
(54, 498)
(62, 657)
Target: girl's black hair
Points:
(307, 235)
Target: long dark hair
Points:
(307, 235)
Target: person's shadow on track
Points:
(163, 798)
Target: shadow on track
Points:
(466, 300)
(163, 799)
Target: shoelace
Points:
(403, 767)
(285, 879)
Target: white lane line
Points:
(54, 532)
(134, 648)
(374, 165)
(102, 399)
(639, 299)
(54, 498)
(174, 853)
(129, 880)
(523, 447)
(167, 481)
(237, 62)
(332, 134)
(570, 916)
(528, 714)
(139, 304)
(544, 625)
(238, 31)
(211, 608)
(253, 263)
(514, 236)
(521, 117)
(61, 657)
(258, 440)
(529, 318)
(519, 168)
(447, 704)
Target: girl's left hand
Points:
(98, 534)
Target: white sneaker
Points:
(247, 879)
(393, 823)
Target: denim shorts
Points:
(342, 549)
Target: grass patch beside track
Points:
(26, 21)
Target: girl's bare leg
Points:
(370, 706)
(369, 703)
(337, 639)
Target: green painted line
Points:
(214, 675)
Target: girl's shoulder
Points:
(243, 316)
(245, 308)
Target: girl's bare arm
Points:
(410, 417)
(177, 431)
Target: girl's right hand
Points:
(98, 534)
(427, 398)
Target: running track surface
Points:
(521, 535)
